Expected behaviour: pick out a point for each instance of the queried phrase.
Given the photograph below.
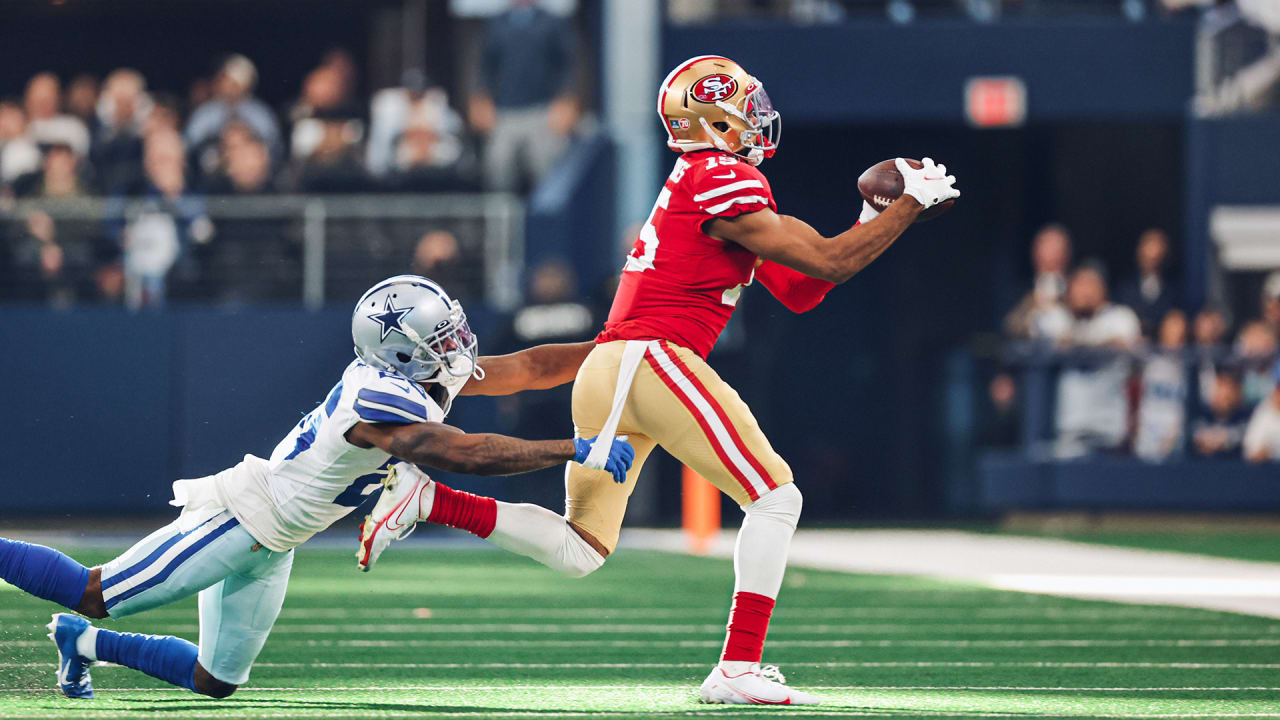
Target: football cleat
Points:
(756, 686)
(73, 668)
(393, 518)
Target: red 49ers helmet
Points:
(711, 102)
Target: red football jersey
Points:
(680, 284)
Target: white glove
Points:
(868, 213)
(929, 185)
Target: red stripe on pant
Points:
(748, 624)
(724, 417)
(702, 422)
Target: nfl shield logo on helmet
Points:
(679, 123)
(714, 88)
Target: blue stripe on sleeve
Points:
(403, 404)
(382, 416)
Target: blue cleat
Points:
(73, 668)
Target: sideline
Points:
(1035, 565)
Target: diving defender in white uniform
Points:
(233, 541)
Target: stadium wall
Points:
(106, 409)
(878, 72)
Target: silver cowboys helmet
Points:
(409, 325)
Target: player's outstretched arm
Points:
(445, 447)
(537, 368)
(793, 243)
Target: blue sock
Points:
(161, 656)
(43, 572)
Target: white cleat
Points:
(756, 686)
(394, 515)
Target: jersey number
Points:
(363, 487)
(648, 238)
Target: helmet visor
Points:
(450, 349)
(765, 121)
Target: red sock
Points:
(748, 624)
(474, 513)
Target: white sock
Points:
(760, 555)
(426, 500)
(734, 668)
(538, 533)
(87, 643)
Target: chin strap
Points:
(715, 136)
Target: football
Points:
(881, 184)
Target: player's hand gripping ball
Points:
(883, 183)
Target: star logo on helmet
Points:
(390, 318)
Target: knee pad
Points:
(782, 503)
(576, 558)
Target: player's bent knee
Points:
(206, 684)
(577, 558)
(217, 689)
(783, 503)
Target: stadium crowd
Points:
(1136, 372)
(117, 139)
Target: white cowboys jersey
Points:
(314, 476)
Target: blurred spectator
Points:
(168, 193)
(331, 86)
(1050, 259)
(45, 121)
(412, 128)
(42, 262)
(1149, 294)
(551, 314)
(526, 104)
(1210, 329)
(1271, 302)
(165, 115)
(1092, 407)
(325, 101)
(438, 256)
(1256, 348)
(167, 222)
(1218, 429)
(1002, 427)
(59, 176)
(19, 154)
(333, 163)
(82, 101)
(1163, 397)
(122, 113)
(1262, 436)
(233, 101)
(244, 162)
(435, 255)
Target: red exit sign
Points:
(995, 101)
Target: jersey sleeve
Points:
(728, 190)
(389, 400)
(799, 292)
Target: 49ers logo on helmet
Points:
(713, 88)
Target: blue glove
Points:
(621, 455)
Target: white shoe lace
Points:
(771, 672)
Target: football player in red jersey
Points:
(714, 230)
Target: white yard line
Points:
(661, 644)
(543, 689)
(1035, 565)
(716, 711)
(665, 666)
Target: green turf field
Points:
(474, 634)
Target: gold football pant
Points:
(677, 401)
